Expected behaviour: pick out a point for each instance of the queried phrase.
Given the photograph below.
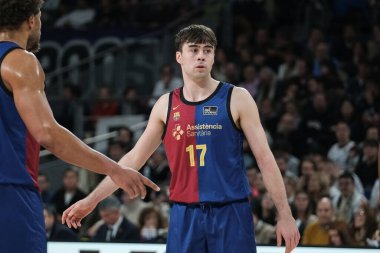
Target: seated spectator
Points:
(55, 231)
(264, 209)
(303, 211)
(367, 169)
(339, 235)
(167, 82)
(339, 152)
(116, 227)
(316, 234)
(348, 200)
(44, 184)
(152, 226)
(69, 193)
(131, 208)
(364, 225)
(264, 233)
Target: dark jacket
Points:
(127, 232)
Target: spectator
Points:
(44, 184)
(167, 82)
(264, 233)
(69, 193)
(348, 201)
(303, 211)
(364, 225)
(367, 169)
(340, 236)
(317, 233)
(152, 226)
(339, 152)
(116, 227)
(55, 231)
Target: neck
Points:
(15, 36)
(197, 90)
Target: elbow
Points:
(44, 136)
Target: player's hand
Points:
(132, 182)
(73, 215)
(286, 228)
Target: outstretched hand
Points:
(133, 182)
(73, 215)
(286, 228)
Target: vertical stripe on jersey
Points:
(32, 157)
(184, 175)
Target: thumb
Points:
(279, 238)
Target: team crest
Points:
(210, 110)
(176, 116)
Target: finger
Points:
(288, 244)
(68, 223)
(136, 189)
(74, 225)
(64, 215)
(130, 192)
(150, 184)
(279, 238)
(142, 189)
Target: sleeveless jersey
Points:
(19, 150)
(204, 148)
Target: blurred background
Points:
(312, 66)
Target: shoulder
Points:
(241, 100)
(161, 104)
(19, 65)
(20, 59)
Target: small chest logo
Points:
(177, 132)
(210, 110)
(176, 116)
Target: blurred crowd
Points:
(319, 100)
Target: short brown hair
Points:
(14, 12)
(195, 34)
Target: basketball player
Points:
(26, 121)
(202, 126)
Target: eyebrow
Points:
(195, 45)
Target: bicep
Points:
(249, 121)
(26, 81)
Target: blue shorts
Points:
(211, 229)
(22, 227)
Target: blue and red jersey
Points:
(204, 148)
(19, 150)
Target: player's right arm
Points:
(24, 78)
(136, 158)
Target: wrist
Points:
(284, 212)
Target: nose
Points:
(200, 56)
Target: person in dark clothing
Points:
(116, 227)
(56, 231)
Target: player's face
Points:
(33, 43)
(196, 60)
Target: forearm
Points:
(107, 186)
(274, 183)
(102, 191)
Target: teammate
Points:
(26, 121)
(202, 126)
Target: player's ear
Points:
(178, 57)
(30, 21)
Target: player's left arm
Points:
(246, 116)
